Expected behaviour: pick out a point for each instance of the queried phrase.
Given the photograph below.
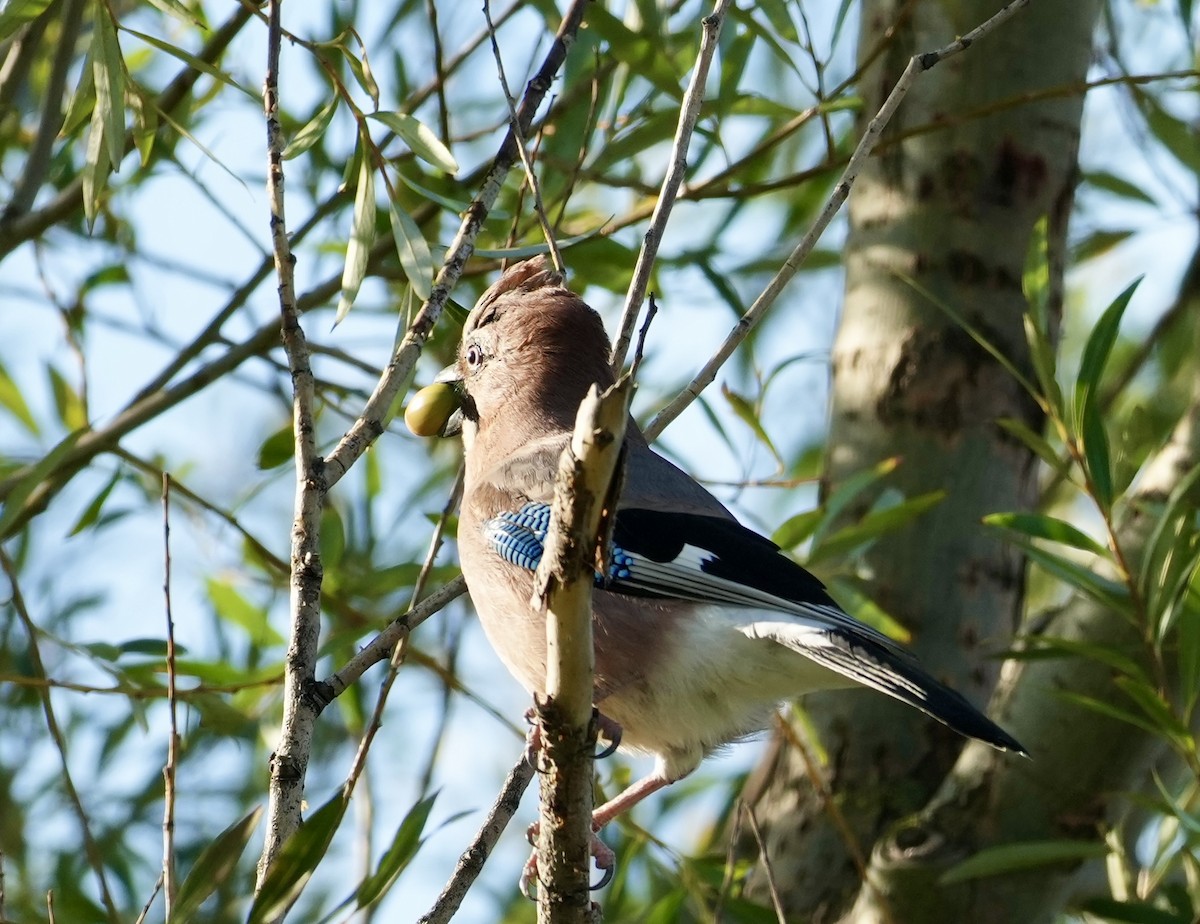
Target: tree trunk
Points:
(941, 218)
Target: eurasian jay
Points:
(702, 626)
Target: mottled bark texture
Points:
(952, 210)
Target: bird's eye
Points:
(474, 356)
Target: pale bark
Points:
(952, 210)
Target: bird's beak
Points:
(451, 376)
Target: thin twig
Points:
(90, 847)
(776, 901)
(435, 543)
(470, 864)
(689, 112)
(145, 912)
(170, 886)
(917, 65)
(515, 127)
(290, 762)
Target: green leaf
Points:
(145, 124)
(1096, 455)
(1035, 442)
(1109, 710)
(108, 70)
(312, 131)
(1118, 186)
(67, 401)
(297, 859)
(1098, 348)
(1011, 858)
(17, 13)
(278, 448)
(1134, 912)
(857, 603)
(91, 513)
(1041, 526)
(361, 68)
(83, 101)
(1105, 591)
(232, 607)
(849, 490)
(362, 236)
(29, 482)
(96, 167)
(748, 414)
(421, 139)
(875, 524)
(1158, 710)
(216, 863)
(413, 251)
(12, 399)
(195, 63)
(794, 530)
(403, 848)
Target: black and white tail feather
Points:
(718, 561)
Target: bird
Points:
(701, 626)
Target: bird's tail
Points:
(893, 671)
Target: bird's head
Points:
(530, 350)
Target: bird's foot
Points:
(601, 853)
(608, 734)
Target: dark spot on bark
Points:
(1018, 176)
(925, 187)
(925, 384)
(970, 269)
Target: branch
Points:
(470, 864)
(917, 65)
(574, 553)
(290, 761)
(689, 112)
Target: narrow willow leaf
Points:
(403, 848)
(420, 139)
(1035, 442)
(1045, 365)
(1035, 281)
(95, 167)
(91, 513)
(180, 12)
(19, 12)
(108, 70)
(235, 609)
(276, 449)
(362, 236)
(1096, 455)
(194, 62)
(1098, 348)
(1009, 858)
(1041, 526)
(875, 524)
(215, 865)
(1131, 911)
(532, 250)
(312, 131)
(12, 399)
(746, 412)
(360, 67)
(297, 859)
(796, 529)
(1157, 710)
(849, 490)
(413, 251)
(1109, 710)
(67, 401)
(145, 124)
(863, 608)
(83, 100)
(28, 483)
(1118, 186)
(1101, 589)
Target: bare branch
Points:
(563, 591)
(170, 886)
(290, 762)
(689, 112)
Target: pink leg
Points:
(626, 800)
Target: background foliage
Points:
(141, 337)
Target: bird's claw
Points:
(606, 863)
(608, 730)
